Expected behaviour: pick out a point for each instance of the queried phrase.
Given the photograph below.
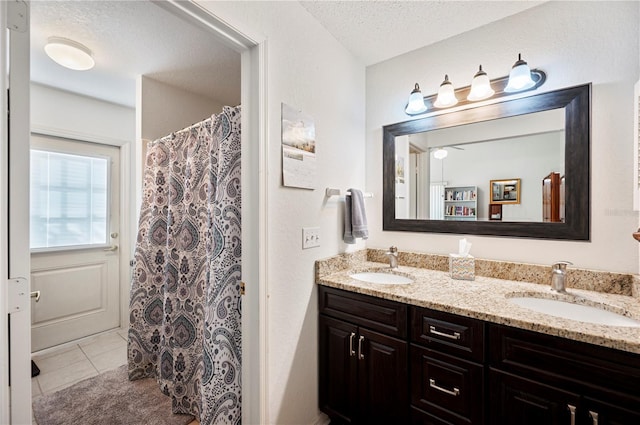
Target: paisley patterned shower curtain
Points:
(185, 299)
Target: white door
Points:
(74, 222)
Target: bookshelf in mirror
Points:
(461, 203)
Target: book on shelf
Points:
(460, 195)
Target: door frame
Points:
(15, 315)
(254, 122)
(253, 51)
(4, 227)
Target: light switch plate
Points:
(310, 237)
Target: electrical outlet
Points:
(310, 237)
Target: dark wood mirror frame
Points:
(576, 102)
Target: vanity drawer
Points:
(446, 387)
(559, 361)
(374, 313)
(448, 333)
(419, 417)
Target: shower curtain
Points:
(185, 306)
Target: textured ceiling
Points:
(131, 38)
(375, 30)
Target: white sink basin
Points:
(384, 278)
(579, 312)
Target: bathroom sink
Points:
(573, 311)
(384, 278)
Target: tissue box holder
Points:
(462, 268)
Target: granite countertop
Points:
(485, 298)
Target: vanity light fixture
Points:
(519, 77)
(480, 86)
(440, 153)
(446, 94)
(69, 53)
(416, 102)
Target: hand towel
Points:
(355, 217)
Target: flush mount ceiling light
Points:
(446, 95)
(519, 77)
(440, 153)
(480, 86)
(416, 102)
(69, 53)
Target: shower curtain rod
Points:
(184, 129)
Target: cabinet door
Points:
(518, 401)
(382, 376)
(338, 369)
(598, 412)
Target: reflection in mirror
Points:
(446, 174)
(514, 168)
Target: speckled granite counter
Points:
(486, 298)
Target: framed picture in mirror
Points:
(495, 211)
(505, 191)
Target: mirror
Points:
(515, 168)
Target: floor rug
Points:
(109, 398)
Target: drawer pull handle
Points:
(572, 410)
(432, 384)
(352, 352)
(360, 354)
(594, 417)
(432, 329)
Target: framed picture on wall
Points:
(505, 191)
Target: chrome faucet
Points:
(558, 275)
(393, 257)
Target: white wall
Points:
(165, 109)
(574, 43)
(308, 70)
(528, 158)
(56, 111)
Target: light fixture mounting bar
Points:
(498, 85)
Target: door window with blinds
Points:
(69, 200)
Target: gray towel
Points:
(355, 217)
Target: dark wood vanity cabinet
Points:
(363, 358)
(383, 362)
(536, 378)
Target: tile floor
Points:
(64, 366)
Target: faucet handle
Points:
(561, 265)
